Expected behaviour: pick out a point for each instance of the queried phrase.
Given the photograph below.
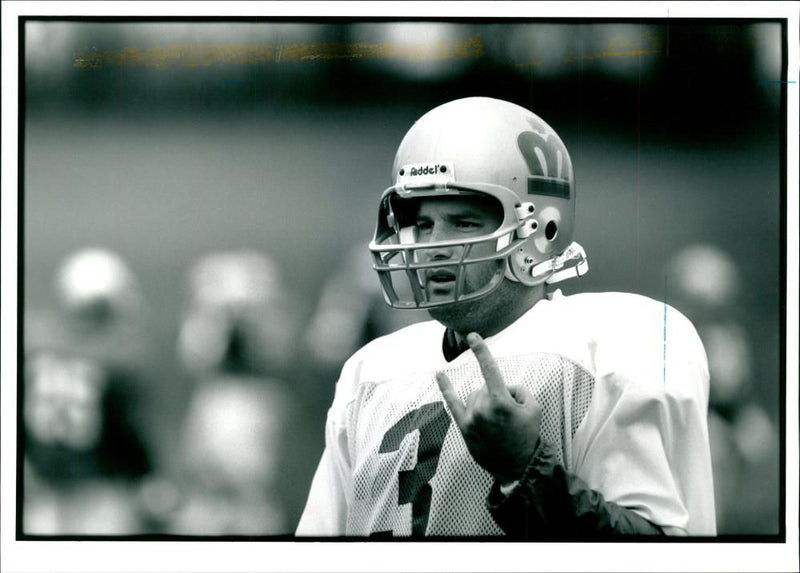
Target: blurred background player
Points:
(233, 445)
(234, 461)
(705, 282)
(350, 312)
(85, 448)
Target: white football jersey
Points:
(623, 384)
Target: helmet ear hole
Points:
(551, 230)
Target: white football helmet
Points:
(495, 149)
(96, 288)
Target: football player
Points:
(86, 445)
(517, 411)
(235, 431)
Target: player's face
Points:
(455, 219)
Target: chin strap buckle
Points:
(571, 263)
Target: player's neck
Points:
(504, 314)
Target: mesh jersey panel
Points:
(412, 473)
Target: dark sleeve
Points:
(549, 503)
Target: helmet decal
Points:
(545, 158)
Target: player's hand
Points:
(500, 423)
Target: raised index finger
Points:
(452, 400)
(491, 372)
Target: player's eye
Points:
(467, 224)
(424, 226)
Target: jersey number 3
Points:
(432, 421)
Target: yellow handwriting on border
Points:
(206, 55)
(647, 45)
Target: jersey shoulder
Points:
(623, 315)
(631, 337)
(413, 348)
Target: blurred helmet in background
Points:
(235, 280)
(238, 315)
(704, 276)
(96, 289)
(98, 311)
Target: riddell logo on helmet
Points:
(427, 170)
(438, 172)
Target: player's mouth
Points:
(440, 280)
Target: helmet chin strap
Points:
(569, 264)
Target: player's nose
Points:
(439, 231)
(437, 254)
